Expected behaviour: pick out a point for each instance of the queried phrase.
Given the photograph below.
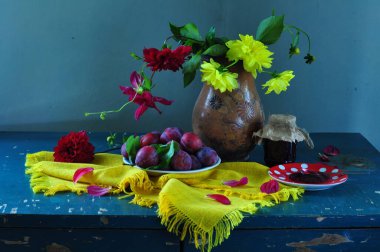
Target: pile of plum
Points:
(191, 153)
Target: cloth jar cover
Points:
(283, 128)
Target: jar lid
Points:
(282, 127)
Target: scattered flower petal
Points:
(331, 150)
(80, 172)
(323, 157)
(220, 198)
(269, 187)
(97, 190)
(233, 183)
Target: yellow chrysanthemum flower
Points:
(218, 79)
(254, 53)
(279, 83)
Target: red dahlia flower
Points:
(145, 100)
(166, 59)
(74, 148)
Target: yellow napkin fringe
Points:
(51, 177)
(178, 223)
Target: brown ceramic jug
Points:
(226, 121)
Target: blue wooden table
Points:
(344, 218)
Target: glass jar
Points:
(279, 152)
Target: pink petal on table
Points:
(269, 187)
(220, 198)
(323, 157)
(80, 172)
(97, 190)
(331, 150)
(233, 183)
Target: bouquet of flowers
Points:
(210, 54)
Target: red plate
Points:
(282, 173)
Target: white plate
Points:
(161, 172)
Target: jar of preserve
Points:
(280, 137)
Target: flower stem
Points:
(302, 31)
(183, 38)
(230, 65)
(273, 74)
(103, 113)
(151, 77)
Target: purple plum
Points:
(207, 156)
(171, 133)
(181, 161)
(195, 163)
(150, 138)
(147, 156)
(191, 142)
(123, 150)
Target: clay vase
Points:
(226, 121)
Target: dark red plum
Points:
(171, 133)
(195, 163)
(147, 156)
(123, 150)
(207, 156)
(181, 161)
(150, 138)
(191, 142)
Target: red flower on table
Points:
(74, 148)
(166, 59)
(143, 98)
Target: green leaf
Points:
(190, 31)
(216, 50)
(134, 55)
(175, 31)
(166, 152)
(189, 69)
(188, 78)
(296, 39)
(132, 146)
(124, 139)
(210, 36)
(147, 84)
(166, 46)
(270, 29)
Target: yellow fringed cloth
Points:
(181, 198)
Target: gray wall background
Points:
(59, 59)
